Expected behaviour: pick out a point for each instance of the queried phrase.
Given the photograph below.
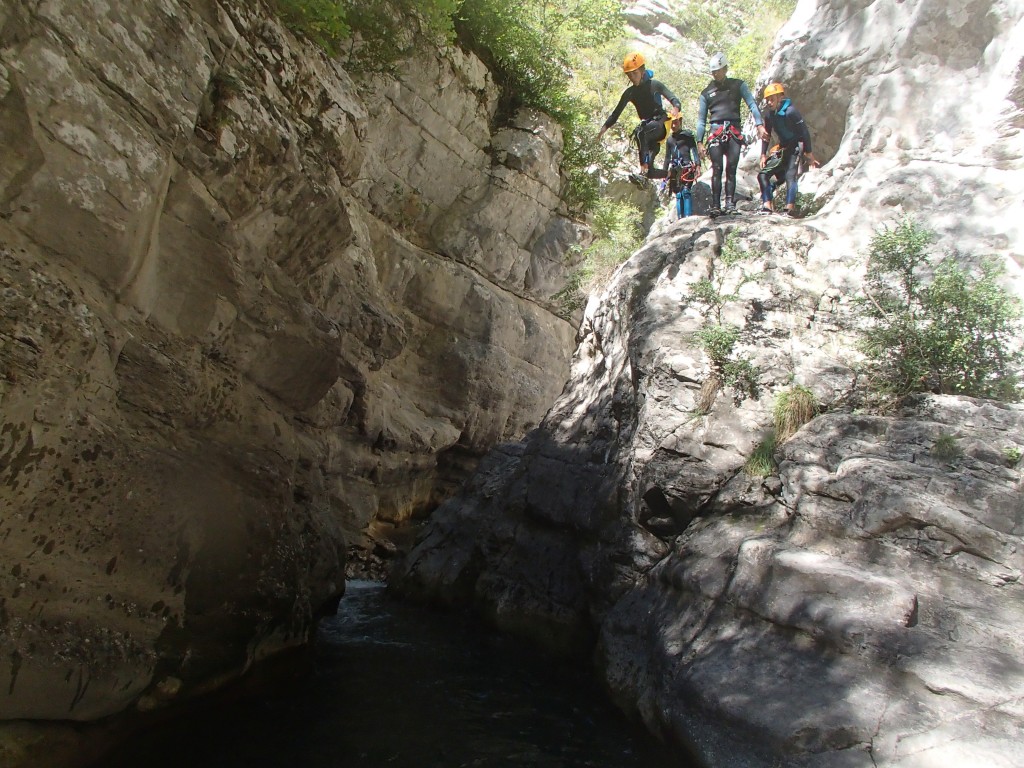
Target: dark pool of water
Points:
(398, 686)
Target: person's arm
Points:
(660, 87)
(614, 116)
(748, 97)
(769, 123)
(796, 120)
(702, 116)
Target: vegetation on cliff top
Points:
(531, 48)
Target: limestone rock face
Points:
(857, 607)
(250, 307)
(916, 105)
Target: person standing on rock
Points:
(794, 144)
(682, 165)
(647, 95)
(719, 107)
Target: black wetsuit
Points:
(794, 138)
(647, 97)
(684, 144)
(719, 105)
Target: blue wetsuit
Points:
(794, 138)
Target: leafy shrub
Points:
(530, 47)
(957, 334)
(793, 408)
(617, 234)
(717, 341)
(1012, 455)
(533, 47)
(391, 29)
(742, 376)
(708, 291)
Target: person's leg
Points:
(792, 166)
(651, 137)
(732, 158)
(764, 182)
(715, 152)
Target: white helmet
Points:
(717, 62)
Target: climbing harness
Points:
(724, 132)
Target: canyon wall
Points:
(254, 309)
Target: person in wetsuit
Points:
(646, 94)
(682, 141)
(719, 107)
(784, 161)
(682, 165)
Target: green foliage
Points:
(533, 47)
(957, 334)
(617, 234)
(707, 293)
(793, 408)
(946, 448)
(324, 21)
(1012, 455)
(762, 461)
(732, 254)
(743, 376)
(391, 30)
(718, 341)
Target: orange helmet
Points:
(774, 88)
(633, 61)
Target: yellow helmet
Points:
(773, 89)
(633, 61)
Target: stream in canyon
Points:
(398, 686)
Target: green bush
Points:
(717, 341)
(743, 376)
(957, 333)
(391, 29)
(533, 47)
(946, 448)
(617, 234)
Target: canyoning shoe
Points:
(730, 207)
(714, 212)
